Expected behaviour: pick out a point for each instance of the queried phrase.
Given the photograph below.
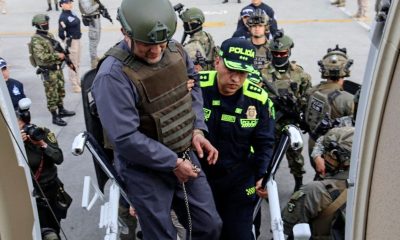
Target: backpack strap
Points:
(338, 203)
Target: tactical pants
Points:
(54, 89)
(234, 195)
(94, 37)
(296, 162)
(55, 2)
(153, 193)
(75, 55)
(362, 8)
(3, 5)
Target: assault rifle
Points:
(104, 12)
(287, 105)
(57, 46)
(200, 60)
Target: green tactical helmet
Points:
(148, 21)
(259, 17)
(335, 64)
(282, 43)
(193, 19)
(40, 19)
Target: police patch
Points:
(251, 112)
(291, 206)
(51, 137)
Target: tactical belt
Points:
(51, 67)
(95, 16)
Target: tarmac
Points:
(315, 25)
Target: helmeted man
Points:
(49, 62)
(322, 203)
(91, 18)
(259, 28)
(239, 116)
(258, 4)
(152, 120)
(201, 43)
(290, 82)
(328, 99)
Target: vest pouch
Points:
(174, 124)
(293, 213)
(31, 58)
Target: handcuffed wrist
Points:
(197, 131)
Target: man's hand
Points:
(61, 56)
(201, 144)
(184, 170)
(190, 84)
(319, 165)
(261, 192)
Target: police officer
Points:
(15, 87)
(239, 116)
(152, 153)
(259, 29)
(320, 203)
(69, 30)
(328, 99)
(201, 43)
(290, 82)
(91, 18)
(49, 61)
(243, 30)
(43, 155)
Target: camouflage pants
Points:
(54, 89)
(94, 38)
(295, 158)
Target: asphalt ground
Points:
(314, 25)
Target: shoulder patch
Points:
(254, 91)
(51, 137)
(207, 78)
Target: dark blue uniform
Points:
(237, 123)
(69, 25)
(16, 90)
(273, 25)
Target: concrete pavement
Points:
(314, 26)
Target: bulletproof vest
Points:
(33, 58)
(321, 104)
(262, 56)
(165, 106)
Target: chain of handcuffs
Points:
(186, 157)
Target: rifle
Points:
(57, 46)
(291, 136)
(200, 60)
(287, 105)
(178, 8)
(103, 11)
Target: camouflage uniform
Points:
(310, 204)
(281, 82)
(203, 42)
(47, 59)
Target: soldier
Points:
(240, 117)
(49, 62)
(69, 30)
(200, 41)
(328, 99)
(322, 203)
(55, 5)
(91, 18)
(290, 82)
(259, 29)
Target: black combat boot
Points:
(57, 120)
(298, 182)
(62, 112)
(225, 1)
(56, 6)
(239, 1)
(49, 9)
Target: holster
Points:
(44, 72)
